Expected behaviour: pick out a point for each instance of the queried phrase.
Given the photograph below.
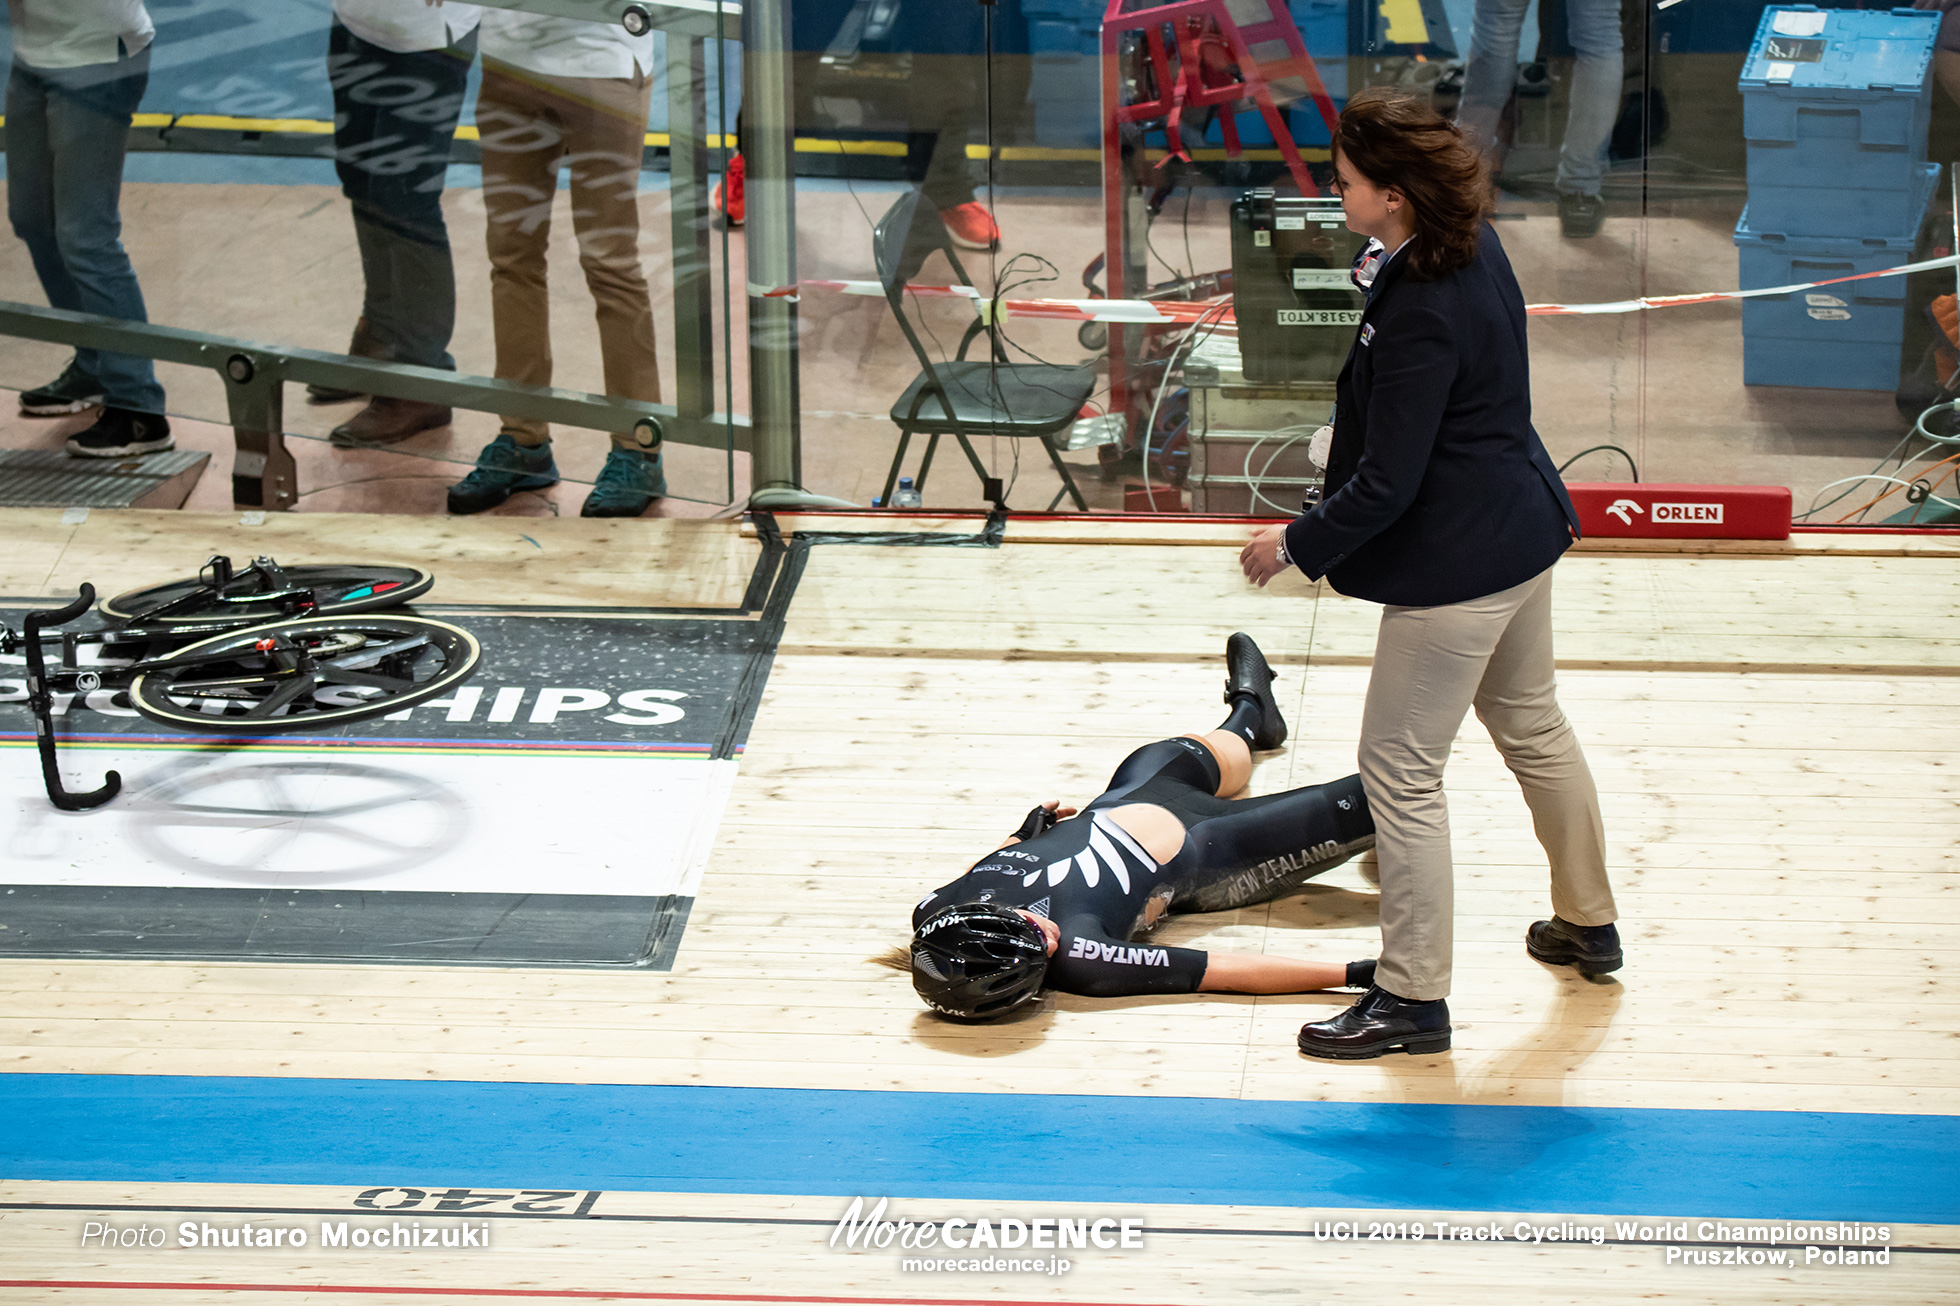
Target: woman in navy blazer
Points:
(1441, 503)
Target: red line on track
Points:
(581, 1294)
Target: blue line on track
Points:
(1120, 1150)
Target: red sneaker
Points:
(972, 227)
(728, 199)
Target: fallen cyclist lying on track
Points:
(1063, 902)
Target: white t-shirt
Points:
(563, 47)
(77, 33)
(406, 26)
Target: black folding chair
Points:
(965, 398)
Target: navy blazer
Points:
(1438, 490)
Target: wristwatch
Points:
(1284, 561)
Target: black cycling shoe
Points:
(1246, 674)
(1380, 1022)
(1588, 949)
(75, 391)
(121, 433)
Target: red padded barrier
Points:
(1706, 512)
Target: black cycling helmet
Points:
(976, 961)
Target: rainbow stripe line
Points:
(309, 743)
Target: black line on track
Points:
(592, 610)
(776, 575)
(584, 1212)
(772, 587)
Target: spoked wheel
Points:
(305, 675)
(252, 595)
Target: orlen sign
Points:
(1685, 514)
(1725, 512)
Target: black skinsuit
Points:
(1095, 881)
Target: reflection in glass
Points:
(557, 91)
(398, 70)
(79, 71)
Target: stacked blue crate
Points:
(1835, 111)
(1841, 337)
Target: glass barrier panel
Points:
(1080, 253)
(392, 181)
(1796, 146)
(1125, 151)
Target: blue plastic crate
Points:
(1840, 337)
(1821, 364)
(1862, 310)
(1837, 99)
(1829, 212)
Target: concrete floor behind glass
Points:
(274, 260)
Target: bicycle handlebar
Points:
(40, 702)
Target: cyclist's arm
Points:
(1247, 972)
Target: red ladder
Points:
(1215, 68)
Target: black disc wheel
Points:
(305, 675)
(254, 595)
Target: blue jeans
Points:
(1597, 72)
(67, 132)
(394, 117)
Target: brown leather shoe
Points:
(388, 421)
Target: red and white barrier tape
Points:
(1716, 296)
(1173, 312)
(1183, 312)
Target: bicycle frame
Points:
(219, 576)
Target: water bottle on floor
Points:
(905, 496)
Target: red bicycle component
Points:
(1216, 68)
(1195, 56)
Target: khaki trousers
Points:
(1431, 666)
(529, 124)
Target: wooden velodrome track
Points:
(1773, 731)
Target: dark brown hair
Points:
(1394, 139)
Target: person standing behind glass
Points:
(561, 90)
(398, 69)
(80, 69)
(1442, 504)
(1597, 74)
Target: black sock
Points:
(1360, 974)
(1245, 717)
(1591, 933)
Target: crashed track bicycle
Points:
(256, 651)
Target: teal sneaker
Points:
(502, 469)
(628, 482)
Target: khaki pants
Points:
(529, 124)
(1431, 666)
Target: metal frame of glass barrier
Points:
(255, 376)
(263, 473)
